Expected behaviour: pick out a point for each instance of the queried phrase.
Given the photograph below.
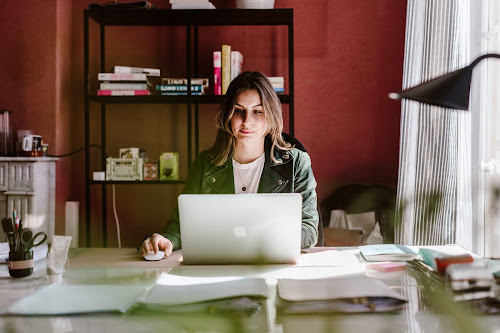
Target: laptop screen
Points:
(240, 228)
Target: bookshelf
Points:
(192, 20)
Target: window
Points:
(485, 108)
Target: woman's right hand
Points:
(157, 243)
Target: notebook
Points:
(388, 252)
(240, 228)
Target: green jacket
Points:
(293, 175)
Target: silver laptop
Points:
(240, 228)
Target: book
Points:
(226, 67)
(277, 81)
(183, 81)
(123, 86)
(343, 295)
(236, 64)
(217, 73)
(193, 5)
(179, 87)
(172, 289)
(106, 92)
(122, 77)
(129, 70)
(387, 267)
(180, 93)
(186, 1)
(387, 252)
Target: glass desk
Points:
(124, 266)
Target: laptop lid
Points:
(240, 228)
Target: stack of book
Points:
(126, 81)
(469, 282)
(228, 64)
(278, 83)
(178, 86)
(191, 4)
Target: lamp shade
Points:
(451, 90)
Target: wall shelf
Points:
(159, 99)
(192, 20)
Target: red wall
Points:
(348, 57)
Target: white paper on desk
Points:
(326, 257)
(334, 288)
(39, 252)
(175, 289)
(56, 299)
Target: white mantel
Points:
(28, 185)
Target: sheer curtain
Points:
(434, 191)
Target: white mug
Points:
(32, 142)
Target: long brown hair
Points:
(226, 141)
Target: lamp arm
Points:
(484, 56)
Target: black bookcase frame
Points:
(191, 19)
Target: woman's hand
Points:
(155, 243)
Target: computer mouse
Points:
(152, 256)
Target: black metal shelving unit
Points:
(192, 20)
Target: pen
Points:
(18, 238)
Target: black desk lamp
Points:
(451, 90)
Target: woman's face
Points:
(249, 122)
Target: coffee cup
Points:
(32, 142)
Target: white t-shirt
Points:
(247, 176)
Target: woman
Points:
(249, 156)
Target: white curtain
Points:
(434, 188)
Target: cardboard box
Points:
(169, 166)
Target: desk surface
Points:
(124, 266)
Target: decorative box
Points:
(124, 169)
(169, 166)
(151, 171)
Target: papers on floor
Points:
(345, 295)
(39, 252)
(56, 299)
(190, 294)
(387, 252)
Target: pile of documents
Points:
(174, 293)
(341, 295)
(56, 299)
(470, 281)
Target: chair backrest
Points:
(356, 199)
(297, 144)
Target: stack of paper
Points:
(194, 294)
(344, 295)
(39, 252)
(59, 299)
